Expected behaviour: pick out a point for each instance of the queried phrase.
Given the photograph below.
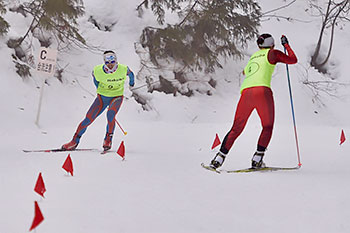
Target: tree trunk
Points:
(314, 57)
(332, 34)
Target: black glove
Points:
(284, 40)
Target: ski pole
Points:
(124, 132)
(292, 107)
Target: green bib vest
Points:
(111, 85)
(258, 71)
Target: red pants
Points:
(261, 99)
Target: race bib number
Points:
(251, 69)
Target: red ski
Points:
(59, 150)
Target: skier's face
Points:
(110, 65)
(110, 60)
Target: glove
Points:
(284, 40)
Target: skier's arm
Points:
(275, 56)
(95, 81)
(131, 77)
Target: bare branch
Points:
(279, 8)
(287, 18)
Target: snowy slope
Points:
(160, 187)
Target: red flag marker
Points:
(40, 186)
(121, 150)
(342, 137)
(68, 165)
(216, 142)
(38, 216)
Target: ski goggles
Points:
(110, 59)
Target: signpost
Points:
(46, 66)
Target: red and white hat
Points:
(265, 41)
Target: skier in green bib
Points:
(109, 79)
(256, 94)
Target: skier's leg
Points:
(266, 111)
(95, 110)
(113, 109)
(243, 111)
(97, 107)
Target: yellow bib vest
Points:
(111, 85)
(258, 71)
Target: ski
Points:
(209, 168)
(264, 169)
(106, 151)
(59, 150)
(245, 170)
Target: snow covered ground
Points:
(161, 187)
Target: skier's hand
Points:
(284, 40)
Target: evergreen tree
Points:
(57, 17)
(50, 19)
(4, 26)
(208, 29)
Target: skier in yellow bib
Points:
(109, 79)
(256, 94)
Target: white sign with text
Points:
(46, 61)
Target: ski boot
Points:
(107, 143)
(217, 161)
(257, 160)
(72, 145)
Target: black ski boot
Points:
(257, 160)
(218, 160)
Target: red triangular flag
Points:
(342, 137)
(216, 142)
(38, 216)
(121, 150)
(40, 186)
(68, 165)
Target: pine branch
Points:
(189, 12)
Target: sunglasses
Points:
(109, 62)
